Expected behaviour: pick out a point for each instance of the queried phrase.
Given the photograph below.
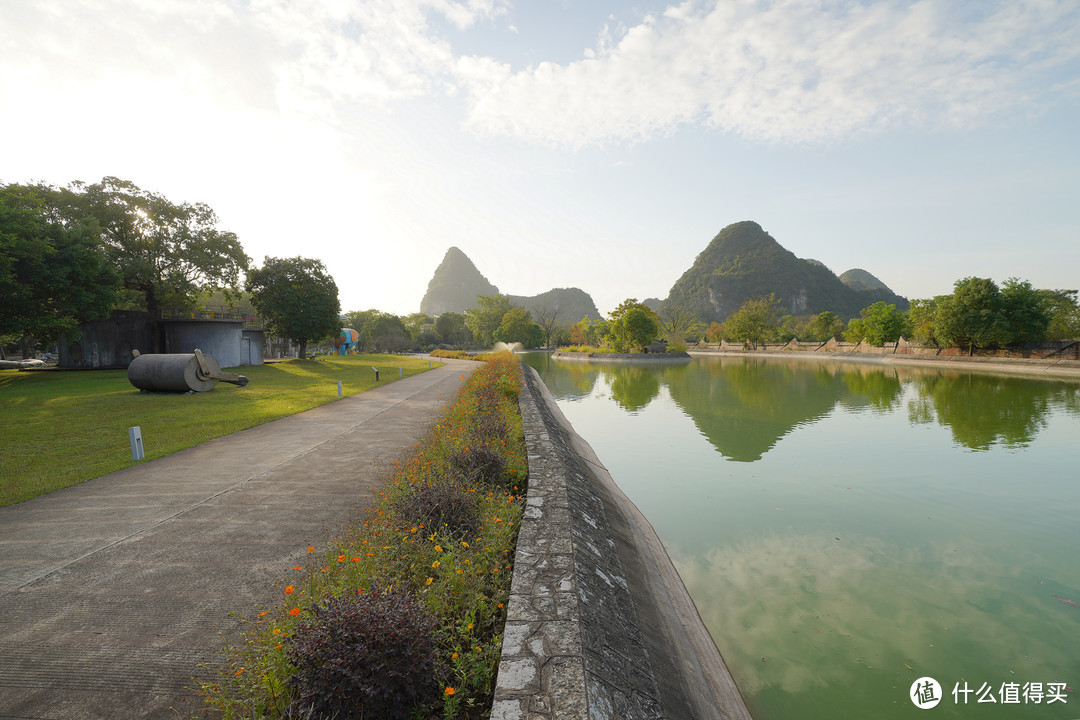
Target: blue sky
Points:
(595, 144)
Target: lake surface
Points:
(847, 529)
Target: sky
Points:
(570, 143)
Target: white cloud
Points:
(783, 71)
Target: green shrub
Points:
(364, 655)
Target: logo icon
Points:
(925, 693)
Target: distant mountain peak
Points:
(455, 285)
(744, 262)
(859, 279)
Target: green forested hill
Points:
(572, 304)
(744, 262)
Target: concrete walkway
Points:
(113, 592)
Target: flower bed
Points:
(402, 615)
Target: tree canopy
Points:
(633, 325)
(755, 321)
(517, 326)
(384, 332)
(978, 314)
(878, 324)
(451, 329)
(485, 319)
(164, 252)
(297, 298)
(53, 273)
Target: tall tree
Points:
(548, 321)
(297, 298)
(756, 321)
(1064, 314)
(517, 326)
(53, 273)
(485, 319)
(825, 325)
(618, 328)
(922, 319)
(678, 324)
(385, 333)
(579, 331)
(163, 251)
(973, 316)
(881, 323)
(640, 328)
(451, 328)
(1026, 312)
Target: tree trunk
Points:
(303, 349)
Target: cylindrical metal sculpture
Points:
(179, 372)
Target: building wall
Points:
(224, 339)
(108, 343)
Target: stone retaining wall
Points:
(599, 625)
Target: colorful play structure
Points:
(347, 341)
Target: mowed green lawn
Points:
(59, 428)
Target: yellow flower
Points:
(435, 564)
(429, 580)
(438, 548)
(464, 544)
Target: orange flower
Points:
(296, 567)
(453, 656)
(311, 549)
(294, 611)
(341, 558)
(278, 646)
(355, 559)
(242, 670)
(449, 691)
(289, 589)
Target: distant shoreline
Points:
(1060, 369)
(623, 357)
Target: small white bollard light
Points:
(376, 373)
(401, 372)
(135, 435)
(339, 388)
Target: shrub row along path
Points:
(112, 592)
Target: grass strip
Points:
(64, 427)
(453, 555)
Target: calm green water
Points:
(848, 529)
